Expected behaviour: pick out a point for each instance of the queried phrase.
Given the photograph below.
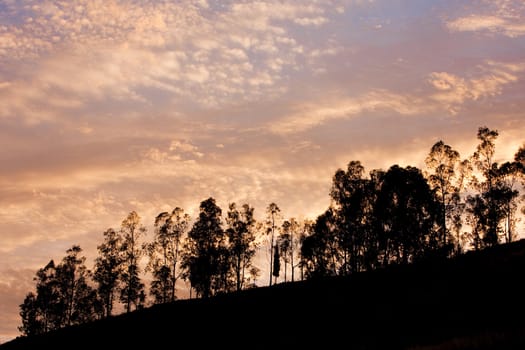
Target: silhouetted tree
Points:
(79, 298)
(241, 240)
(318, 250)
(350, 200)
(519, 157)
(108, 267)
(486, 201)
(457, 206)
(132, 287)
(447, 182)
(272, 215)
(31, 314)
(63, 296)
(41, 312)
(201, 258)
(306, 230)
(276, 263)
(284, 242)
(164, 253)
(407, 211)
(508, 175)
(48, 299)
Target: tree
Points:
(79, 299)
(487, 198)
(318, 249)
(132, 287)
(30, 312)
(241, 240)
(406, 210)
(284, 243)
(203, 257)
(48, 300)
(306, 231)
(350, 200)
(63, 296)
(40, 311)
(519, 157)
(276, 263)
(288, 241)
(108, 267)
(272, 215)
(508, 196)
(443, 162)
(164, 253)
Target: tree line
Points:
(398, 216)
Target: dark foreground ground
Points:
(476, 301)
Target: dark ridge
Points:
(474, 301)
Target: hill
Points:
(475, 301)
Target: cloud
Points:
(310, 115)
(453, 91)
(449, 93)
(491, 24)
(101, 51)
(504, 17)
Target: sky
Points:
(110, 106)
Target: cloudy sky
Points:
(109, 106)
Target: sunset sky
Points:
(110, 106)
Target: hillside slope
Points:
(475, 301)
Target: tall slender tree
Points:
(288, 242)
(485, 211)
(272, 216)
(132, 288)
(79, 298)
(442, 162)
(276, 270)
(508, 176)
(108, 267)
(241, 240)
(349, 200)
(164, 253)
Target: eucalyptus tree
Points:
(276, 270)
(406, 209)
(132, 288)
(350, 200)
(444, 178)
(108, 268)
(241, 240)
(319, 249)
(288, 242)
(63, 296)
(484, 210)
(305, 231)
(509, 175)
(284, 243)
(519, 157)
(79, 299)
(164, 253)
(271, 224)
(33, 320)
(40, 310)
(203, 257)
